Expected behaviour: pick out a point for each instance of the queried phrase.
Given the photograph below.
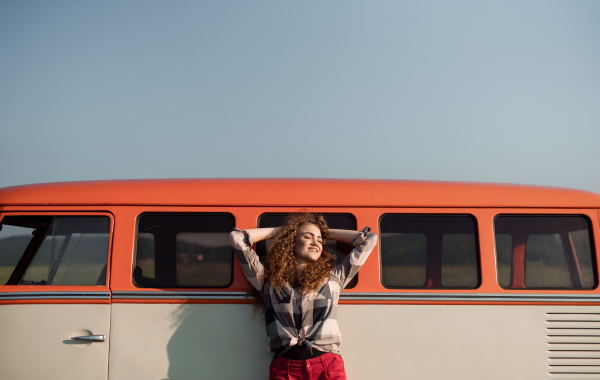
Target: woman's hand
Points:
(258, 234)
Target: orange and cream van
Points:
(125, 280)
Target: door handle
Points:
(90, 338)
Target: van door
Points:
(54, 296)
(180, 310)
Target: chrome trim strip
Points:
(473, 297)
(481, 297)
(54, 295)
(188, 295)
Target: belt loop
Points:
(324, 367)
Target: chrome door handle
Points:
(90, 338)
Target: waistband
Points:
(324, 360)
(298, 353)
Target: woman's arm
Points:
(241, 242)
(346, 236)
(258, 234)
(363, 245)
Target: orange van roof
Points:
(296, 192)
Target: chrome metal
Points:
(381, 297)
(53, 295)
(192, 295)
(474, 297)
(90, 338)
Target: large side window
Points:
(429, 251)
(54, 250)
(184, 250)
(336, 221)
(544, 252)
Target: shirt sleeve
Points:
(251, 265)
(363, 245)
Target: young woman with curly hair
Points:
(300, 286)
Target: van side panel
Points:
(35, 341)
(445, 341)
(181, 341)
(187, 341)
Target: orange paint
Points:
(294, 192)
(246, 200)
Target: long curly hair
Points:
(281, 267)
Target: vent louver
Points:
(573, 345)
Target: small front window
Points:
(54, 250)
(14, 239)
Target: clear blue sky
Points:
(505, 91)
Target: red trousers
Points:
(326, 366)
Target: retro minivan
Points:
(136, 279)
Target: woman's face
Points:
(309, 244)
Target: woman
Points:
(300, 286)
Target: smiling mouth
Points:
(313, 250)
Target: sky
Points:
(494, 91)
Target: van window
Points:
(61, 250)
(14, 239)
(184, 250)
(544, 252)
(336, 221)
(429, 251)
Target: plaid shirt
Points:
(293, 318)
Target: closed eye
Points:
(308, 235)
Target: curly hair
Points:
(281, 267)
